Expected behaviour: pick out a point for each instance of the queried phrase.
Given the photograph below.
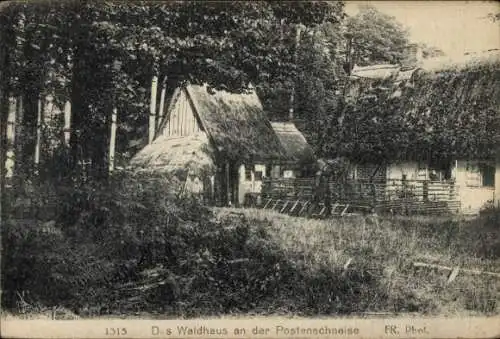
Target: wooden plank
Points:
(345, 209)
(323, 208)
(284, 206)
(446, 268)
(334, 207)
(294, 206)
(276, 204)
(304, 207)
(267, 203)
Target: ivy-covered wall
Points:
(432, 116)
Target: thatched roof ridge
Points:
(380, 72)
(466, 62)
(192, 154)
(430, 66)
(294, 142)
(236, 123)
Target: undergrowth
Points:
(132, 247)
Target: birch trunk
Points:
(152, 109)
(112, 140)
(67, 123)
(11, 137)
(161, 110)
(39, 120)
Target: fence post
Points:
(425, 190)
(374, 192)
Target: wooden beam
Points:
(303, 207)
(294, 205)
(284, 206)
(345, 210)
(446, 268)
(267, 203)
(334, 207)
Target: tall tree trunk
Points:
(99, 152)
(295, 60)
(10, 136)
(161, 109)
(3, 119)
(67, 123)
(152, 109)
(112, 140)
(27, 139)
(497, 178)
(18, 136)
(78, 153)
(39, 120)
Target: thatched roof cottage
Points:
(462, 99)
(223, 144)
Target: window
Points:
(248, 173)
(488, 175)
(258, 175)
(282, 171)
(473, 175)
(480, 175)
(268, 170)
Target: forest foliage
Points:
(103, 55)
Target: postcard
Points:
(250, 169)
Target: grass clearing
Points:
(388, 247)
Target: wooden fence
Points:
(418, 196)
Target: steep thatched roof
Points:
(236, 123)
(463, 63)
(294, 142)
(465, 87)
(450, 108)
(191, 154)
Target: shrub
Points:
(131, 245)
